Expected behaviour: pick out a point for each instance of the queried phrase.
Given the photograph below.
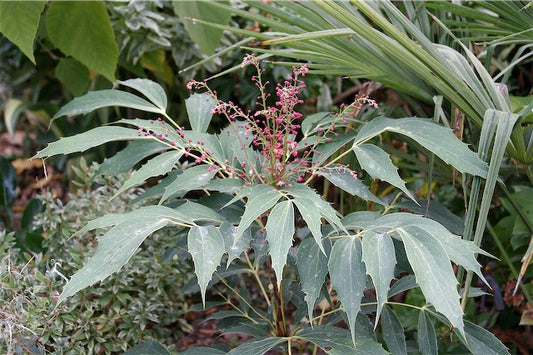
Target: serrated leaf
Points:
(226, 185)
(360, 219)
(311, 216)
(201, 350)
(348, 276)
(380, 259)
(377, 163)
(329, 213)
(115, 248)
(437, 139)
(260, 199)
(209, 143)
(160, 165)
(393, 332)
(344, 180)
(460, 251)
(405, 283)
(233, 244)
(126, 159)
(320, 119)
(83, 141)
(152, 90)
(312, 266)
(433, 273)
(328, 338)
(279, 233)
(325, 150)
(206, 245)
(257, 346)
(19, 21)
(191, 179)
(82, 29)
(427, 339)
(199, 108)
(109, 220)
(481, 341)
(105, 98)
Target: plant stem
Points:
(258, 279)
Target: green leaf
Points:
(328, 338)
(437, 139)
(393, 332)
(115, 248)
(201, 350)
(349, 183)
(301, 191)
(360, 219)
(279, 233)
(260, 199)
(348, 276)
(83, 141)
(405, 283)
(378, 164)
(126, 159)
(427, 339)
(176, 215)
(74, 75)
(206, 246)
(199, 108)
(257, 346)
(191, 179)
(19, 21)
(481, 341)
(312, 266)
(311, 216)
(160, 165)
(82, 29)
(206, 37)
(151, 347)
(433, 272)
(233, 243)
(105, 98)
(380, 259)
(152, 90)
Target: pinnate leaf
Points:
(427, 339)
(377, 163)
(311, 216)
(126, 159)
(206, 245)
(257, 346)
(312, 268)
(234, 245)
(380, 259)
(348, 276)
(152, 90)
(393, 332)
(105, 98)
(437, 139)
(481, 341)
(279, 233)
(83, 141)
(115, 248)
(346, 181)
(199, 108)
(191, 179)
(260, 199)
(433, 272)
(160, 165)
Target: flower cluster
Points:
(273, 130)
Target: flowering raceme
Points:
(269, 136)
